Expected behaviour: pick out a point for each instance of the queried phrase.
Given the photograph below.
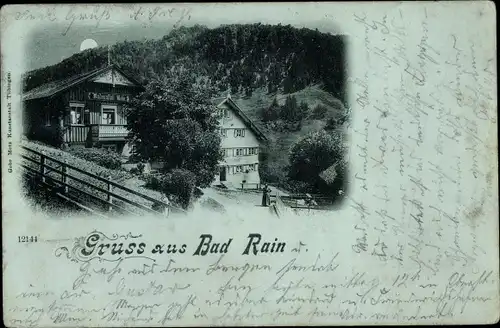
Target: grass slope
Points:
(120, 176)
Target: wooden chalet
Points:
(87, 109)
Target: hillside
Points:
(241, 58)
(280, 141)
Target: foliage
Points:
(138, 170)
(274, 174)
(319, 111)
(331, 124)
(272, 112)
(237, 57)
(178, 185)
(100, 156)
(303, 110)
(153, 180)
(288, 117)
(173, 121)
(290, 110)
(51, 135)
(313, 154)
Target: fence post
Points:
(64, 176)
(42, 167)
(110, 198)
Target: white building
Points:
(241, 143)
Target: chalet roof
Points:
(329, 174)
(52, 88)
(237, 110)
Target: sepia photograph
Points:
(219, 118)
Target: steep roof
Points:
(242, 115)
(55, 87)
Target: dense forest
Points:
(239, 58)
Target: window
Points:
(223, 132)
(77, 113)
(239, 168)
(225, 113)
(108, 114)
(252, 167)
(239, 132)
(239, 151)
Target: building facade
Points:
(240, 146)
(87, 109)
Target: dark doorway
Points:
(222, 174)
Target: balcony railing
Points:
(112, 132)
(94, 133)
(76, 134)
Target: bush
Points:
(51, 135)
(138, 170)
(153, 181)
(319, 111)
(102, 157)
(178, 185)
(314, 153)
(272, 112)
(272, 172)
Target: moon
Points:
(88, 44)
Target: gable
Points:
(108, 75)
(240, 116)
(113, 77)
(230, 119)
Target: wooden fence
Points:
(99, 194)
(251, 186)
(303, 201)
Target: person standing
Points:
(266, 198)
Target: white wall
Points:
(230, 123)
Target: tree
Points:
(173, 121)
(290, 110)
(319, 111)
(313, 154)
(303, 110)
(331, 124)
(272, 112)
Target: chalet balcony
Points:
(94, 133)
(111, 132)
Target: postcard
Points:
(249, 164)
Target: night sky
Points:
(47, 45)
